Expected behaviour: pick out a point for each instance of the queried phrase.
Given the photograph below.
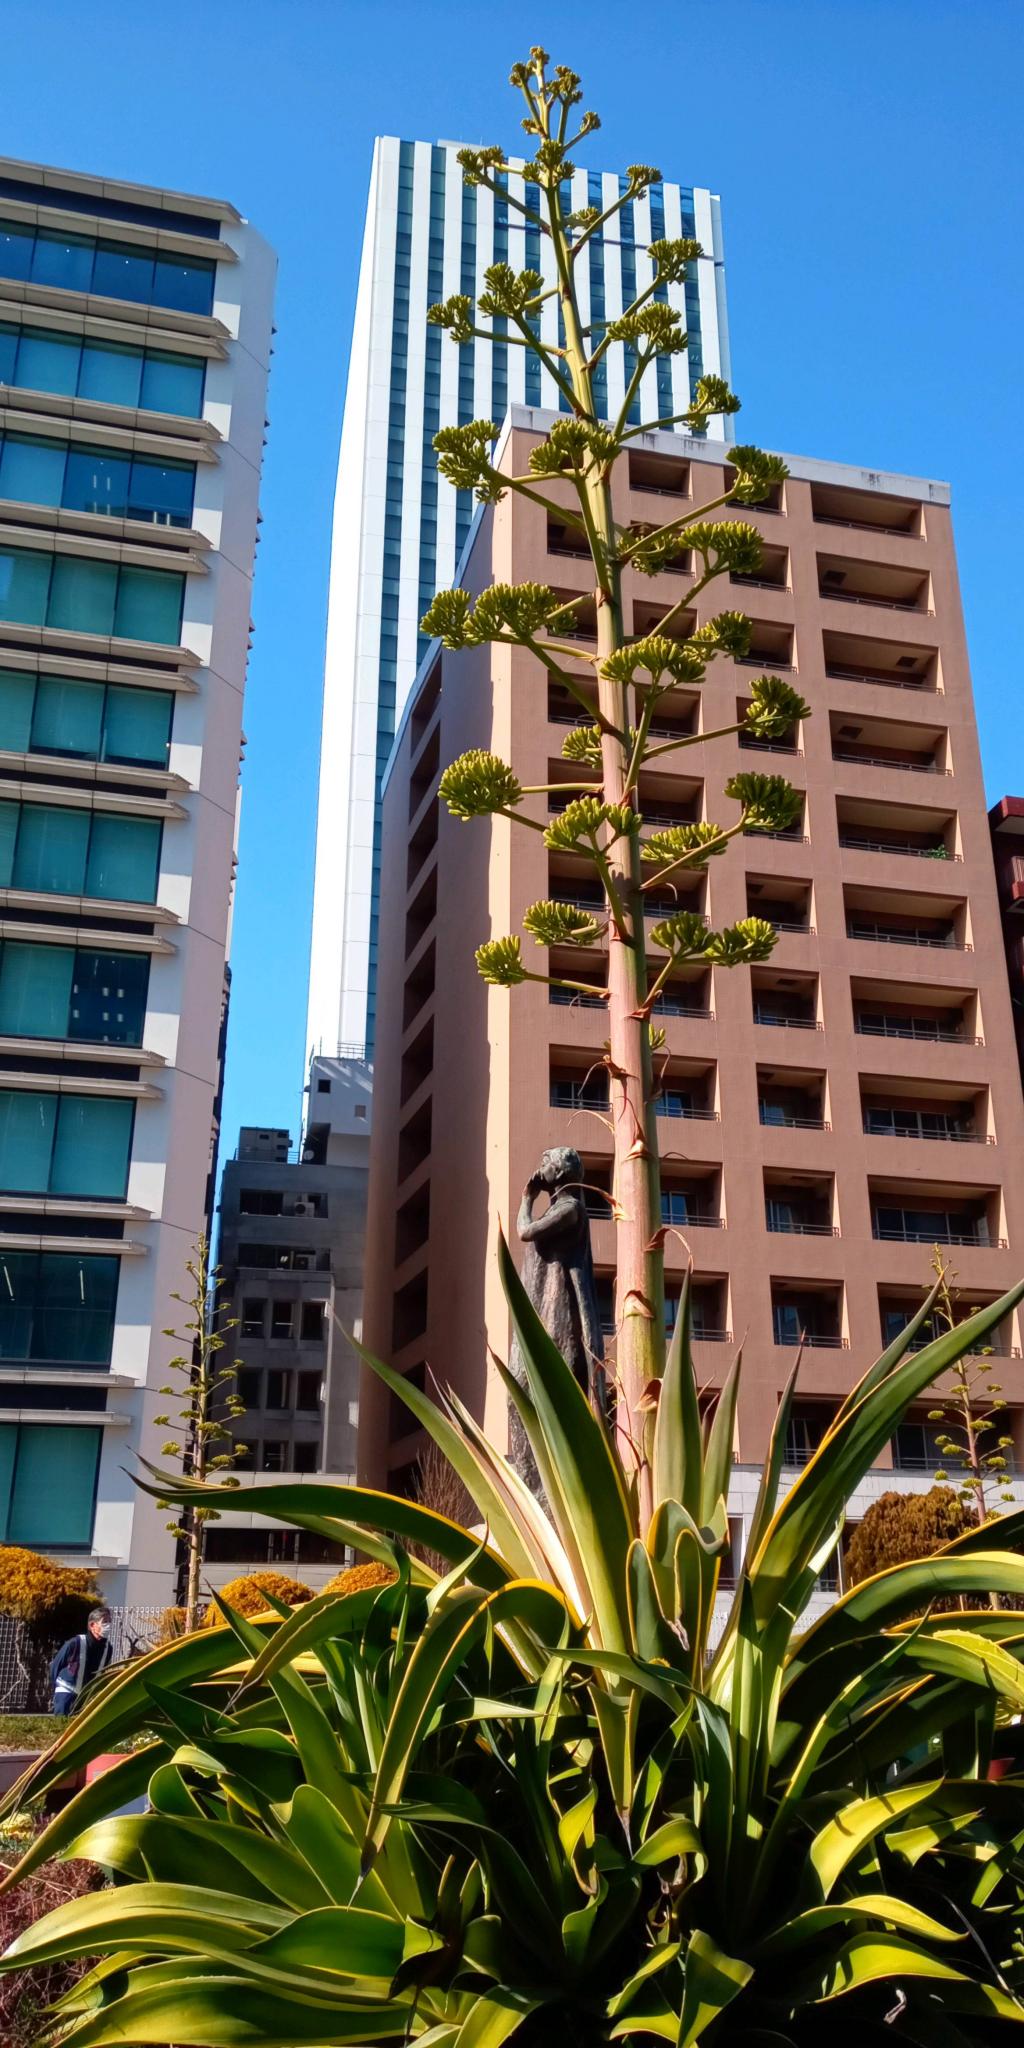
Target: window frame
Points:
(94, 1430)
(83, 889)
(120, 573)
(64, 1104)
(162, 264)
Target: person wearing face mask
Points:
(79, 1661)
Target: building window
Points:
(278, 1394)
(305, 1457)
(272, 1456)
(308, 1392)
(57, 1308)
(109, 373)
(253, 1315)
(260, 1202)
(48, 1477)
(84, 721)
(75, 594)
(56, 992)
(35, 470)
(248, 1385)
(311, 1325)
(76, 1145)
(60, 852)
(281, 1319)
(114, 270)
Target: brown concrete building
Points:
(828, 1116)
(1006, 819)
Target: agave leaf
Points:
(847, 1452)
(652, 1636)
(956, 1654)
(857, 1824)
(580, 1448)
(198, 2008)
(712, 1980)
(345, 1941)
(806, 1928)
(442, 1646)
(677, 1457)
(178, 1915)
(490, 1499)
(885, 1600)
(890, 1357)
(718, 1457)
(494, 2018)
(873, 1958)
(242, 1860)
(125, 1781)
(539, 1533)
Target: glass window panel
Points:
(9, 815)
(8, 352)
(15, 249)
(188, 287)
(75, 1304)
(35, 990)
(90, 1155)
(51, 849)
(121, 272)
(17, 1292)
(82, 595)
(108, 998)
(8, 1447)
(17, 692)
(53, 1502)
(48, 362)
(123, 858)
(26, 1140)
(173, 384)
(63, 260)
(162, 491)
(137, 726)
(111, 373)
(149, 606)
(96, 481)
(68, 717)
(32, 470)
(24, 583)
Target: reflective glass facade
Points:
(64, 852)
(79, 595)
(107, 372)
(109, 269)
(42, 714)
(36, 470)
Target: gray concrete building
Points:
(292, 1235)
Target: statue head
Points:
(560, 1166)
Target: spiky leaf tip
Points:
(752, 938)
(696, 844)
(684, 934)
(500, 962)
(561, 924)
(479, 784)
(770, 803)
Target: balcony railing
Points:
(903, 767)
(912, 1233)
(864, 526)
(765, 661)
(814, 1340)
(671, 1105)
(913, 1027)
(785, 924)
(787, 1023)
(887, 604)
(889, 935)
(953, 1134)
(858, 845)
(792, 1227)
(567, 1095)
(709, 1333)
(667, 1006)
(697, 1219)
(792, 1123)
(571, 999)
(794, 838)
(874, 675)
(760, 583)
(755, 746)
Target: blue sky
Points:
(868, 158)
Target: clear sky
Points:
(868, 157)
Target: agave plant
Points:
(535, 1798)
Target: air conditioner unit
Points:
(302, 1262)
(302, 1209)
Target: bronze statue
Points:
(558, 1275)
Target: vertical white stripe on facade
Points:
(645, 277)
(677, 298)
(483, 398)
(613, 294)
(412, 466)
(718, 429)
(517, 260)
(449, 413)
(721, 303)
(348, 735)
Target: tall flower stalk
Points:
(620, 684)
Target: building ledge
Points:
(81, 1049)
(161, 319)
(80, 1084)
(16, 789)
(95, 546)
(67, 1205)
(41, 663)
(86, 906)
(1007, 817)
(163, 546)
(84, 1247)
(119, 189)
(156, 779)
(37, 409)
(83, 1418)
(165, 657)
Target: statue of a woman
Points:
(558, 1275)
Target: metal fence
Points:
(24, 1682)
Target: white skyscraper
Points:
(399, 529)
